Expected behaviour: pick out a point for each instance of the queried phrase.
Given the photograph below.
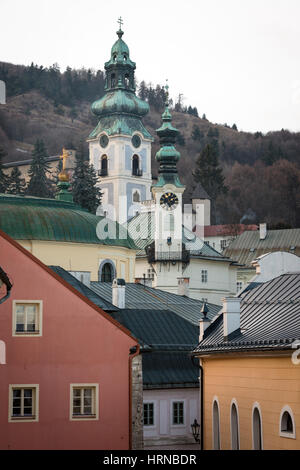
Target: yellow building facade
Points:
(269, 383)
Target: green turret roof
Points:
(32, 218)
(167, 156)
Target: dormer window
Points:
(115, 57)
(127, 80)
(125, 57)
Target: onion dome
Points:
(119, 87)
(167, 156)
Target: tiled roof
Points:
(141, 229)
(84, 290)
(137, 295)
(248, 246)
(227, 230)
(270, 319)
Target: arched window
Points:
(216, 426)
(257, 429)
(107, 271)
(135, 165)
(127, 80)
(136, 197)
(113, 80)
(234, 421)
(287, 424)
(104, 165)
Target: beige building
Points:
(250, 370)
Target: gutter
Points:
(5, 279)
(134, 351)
(201, 380)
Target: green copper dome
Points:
(32, 218)
(120, 104)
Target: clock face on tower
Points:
(136, 141)
(104, 141)
(169, 201)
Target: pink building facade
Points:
(66, 381)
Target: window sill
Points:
(29, 418)
(287, 435)
(82, 417)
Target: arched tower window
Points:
(216, 426)
(104, 165)
(113, 80)
(135, 165)
(107, 271)
(234, 420)
(169, 223)
(287, 424)
(126, 80)
(136, 197)
(257, 429)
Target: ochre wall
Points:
(81, 256)
(273, 382)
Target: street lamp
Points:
(195, 430)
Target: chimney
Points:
(204, 322)
(118, 293)
(183, 286)
(262, 231)
(231, 315)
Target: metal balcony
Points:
(102, 173)
(137, 172)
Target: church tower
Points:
(120, 145)
(170, 254)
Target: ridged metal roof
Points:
(136, 295)
(270, 319)
(84, 290)
(248, 246)
(32, 218)
(142, 229)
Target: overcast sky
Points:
(237, 61)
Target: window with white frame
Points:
(239, 286)
(178, 412)
(84, 401)
(150, 273)
(27, 318)
(148, 414)
(204, 275)
(287, 425)
(223, 244)
(23, 403)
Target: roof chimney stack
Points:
(204, 322)
(183, 286)
(262, 231)
(118, 293)
(231, 315)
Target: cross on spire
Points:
(120, 21)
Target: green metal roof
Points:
(248, 245)
(32, 218)
(120, 124)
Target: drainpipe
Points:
(134, 351)
(201, 378)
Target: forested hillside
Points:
(262, 171)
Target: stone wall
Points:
(137, 403)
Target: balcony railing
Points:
(165, 256)
(102, 173)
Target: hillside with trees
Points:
(261, 171)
